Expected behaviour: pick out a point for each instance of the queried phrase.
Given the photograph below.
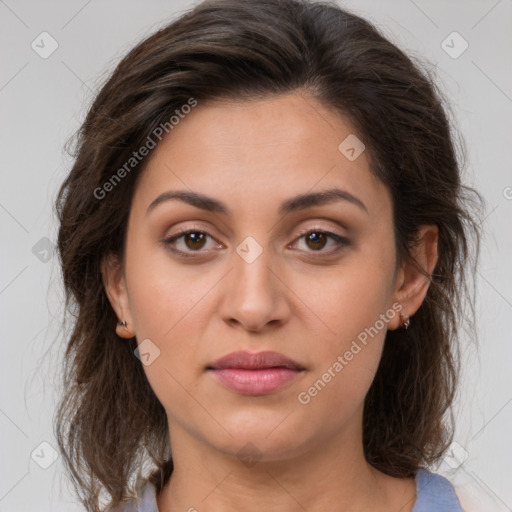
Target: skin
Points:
(298, 298)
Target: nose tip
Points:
(252, 326)
(252, 297)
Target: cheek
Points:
(348, 300)
(172, 321)
(164, 305)
(353, 305)
(162, 295)
(345, 362)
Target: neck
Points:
(332, 475)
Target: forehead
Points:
(251, 153)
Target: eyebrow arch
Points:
(300, 202)
(304, 201)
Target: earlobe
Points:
(414, 278)
(115, 288)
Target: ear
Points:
(115, 287)
(411, 283)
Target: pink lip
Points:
(258, 373)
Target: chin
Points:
(263, 436)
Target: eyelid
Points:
(200, 229)
(322, 229)
(166, 241)
(341, 240)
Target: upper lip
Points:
(254, 361)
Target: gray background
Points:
(43, 102)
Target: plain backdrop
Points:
(44, 100)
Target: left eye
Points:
(317, 239)
(193, 241)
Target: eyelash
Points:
(340, 240)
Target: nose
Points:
(254, 295)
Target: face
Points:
(315, 281)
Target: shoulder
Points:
(435, 493)
(144, 501)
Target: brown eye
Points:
(186, 243)
(194, 240)
(315, 240)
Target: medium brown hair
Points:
(110, 423)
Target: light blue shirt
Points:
(434, 493)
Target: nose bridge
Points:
(252, 296)
(252, 269)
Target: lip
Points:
(255, 361)
(255, 374)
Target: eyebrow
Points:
(300, 202)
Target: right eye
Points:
(190, 240)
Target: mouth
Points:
(255, 374)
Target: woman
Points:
(263, 239)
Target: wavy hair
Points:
(109, 424)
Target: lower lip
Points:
(255, 382)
